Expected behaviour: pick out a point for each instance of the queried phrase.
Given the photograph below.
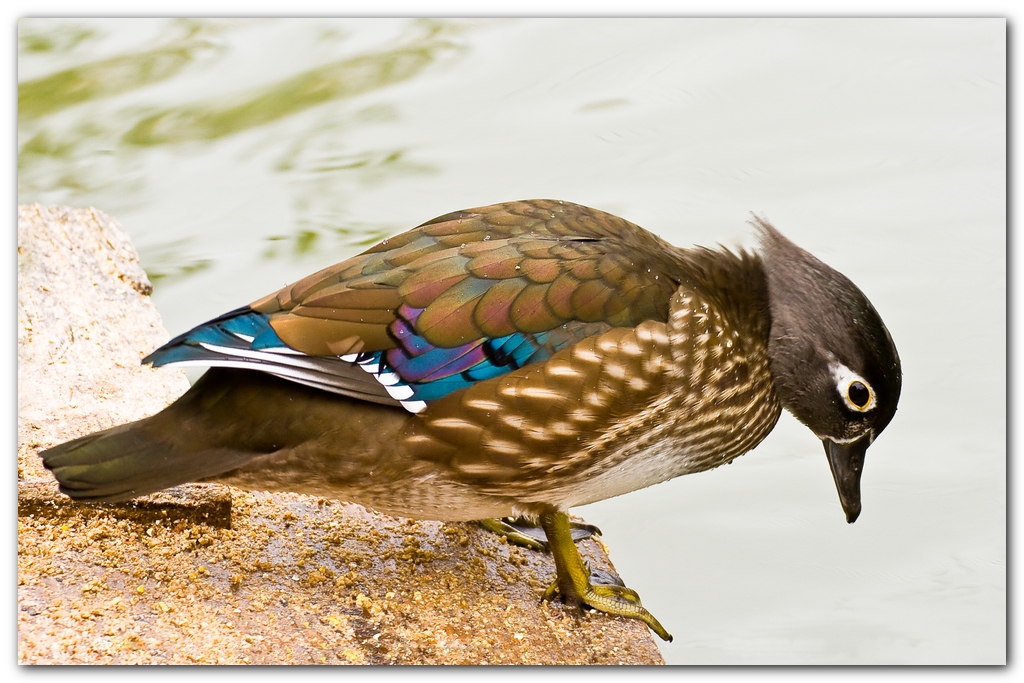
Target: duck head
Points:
(835, 365)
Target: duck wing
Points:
(460, 299)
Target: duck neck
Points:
(733, 283)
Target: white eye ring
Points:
(845, 381)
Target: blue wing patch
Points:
(411, 374)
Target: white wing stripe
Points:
(300, 361)
(414, 406)
(399, 392)
(325, 373)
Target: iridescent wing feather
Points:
(461, 299)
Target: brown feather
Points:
(559, 295)
(341, 296)
(493, 313)
(542, 271)
(498, 263)
(530, 312)
(320, 337)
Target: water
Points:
(243, 154)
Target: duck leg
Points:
(524, 533)
(573, 580)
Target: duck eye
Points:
(859, 395)
(854, 391)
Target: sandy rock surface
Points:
(209, 574)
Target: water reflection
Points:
(90, 132)
(60, 150)
(306, 242)
(171, 262)
(106, 78)
(335, 81)
(47, 37)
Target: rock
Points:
(208, 574)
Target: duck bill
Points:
(847, 462)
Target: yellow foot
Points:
(574, 584)
(601, 581)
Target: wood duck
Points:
(513, 360)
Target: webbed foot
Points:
(578, 586)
